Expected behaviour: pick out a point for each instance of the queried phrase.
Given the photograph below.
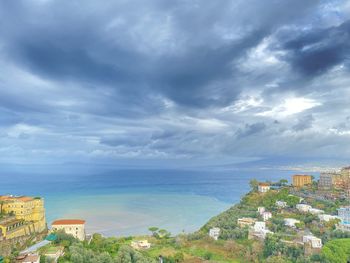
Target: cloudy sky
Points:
(174, 82)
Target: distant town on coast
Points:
(298, 219)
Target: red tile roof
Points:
(68, 222)
(264, 184)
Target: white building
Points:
(316, 211)
(263, 187)
(261, 210)
(260, 230)
(281, 204)
(259, 226)
(266, 215)
(291, 222)
(303, 207)
(344, 216)
(74, 227)
(140, 244)
(314, 241)
(327, 218)
(214, 233)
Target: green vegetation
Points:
(337, 251)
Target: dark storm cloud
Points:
(317, 50)
(172, 79)
(71, 45)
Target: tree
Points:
(254, 184)
(154, 230)
(283, 182)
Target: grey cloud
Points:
(317, 50)
(305, 122)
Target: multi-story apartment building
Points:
(300, 180)
(337, 179)
(25, 215)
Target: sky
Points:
(174, 83)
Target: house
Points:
(28, 258)
(245, 221)
(140, 244)
(327, 218)
(259, 230)
(315, 242)
(303, 207)
(263, 187)
(266, 215)
(315, 211)
(300, 180)
(259, 225)
(290, 222)
(74, 227)
(281, 204)
(214, 233)
(261, 210)
(344, 216)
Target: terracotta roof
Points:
(68, 222)
(15, 198)
(264, 184)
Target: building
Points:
(327, 218)
(326, 181)
(315, 242)
(281, 204)
(214, 233)
(140, 244)
(259, 225)
(266, 215)
(24, 216)
(259, 230)
(300, 180)
(344, 216)
(315, 211)
(245, 221)
(263, 187)
(261, 210)
(303, 207)
(29, 258)
(290, 222)
(74, 227)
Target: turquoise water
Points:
(127, 202)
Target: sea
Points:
(123, 202)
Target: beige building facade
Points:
(74, 227)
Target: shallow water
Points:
(127, 202)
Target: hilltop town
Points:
(306, 220)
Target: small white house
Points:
(290, 222)
(259, 226)
(263, 187)
(314, 241)
(327, 218)
(266, 215)
(140, 244)
(261, 210)
(214, 233)
(303, 207)
(316, 211)
(281, 204)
